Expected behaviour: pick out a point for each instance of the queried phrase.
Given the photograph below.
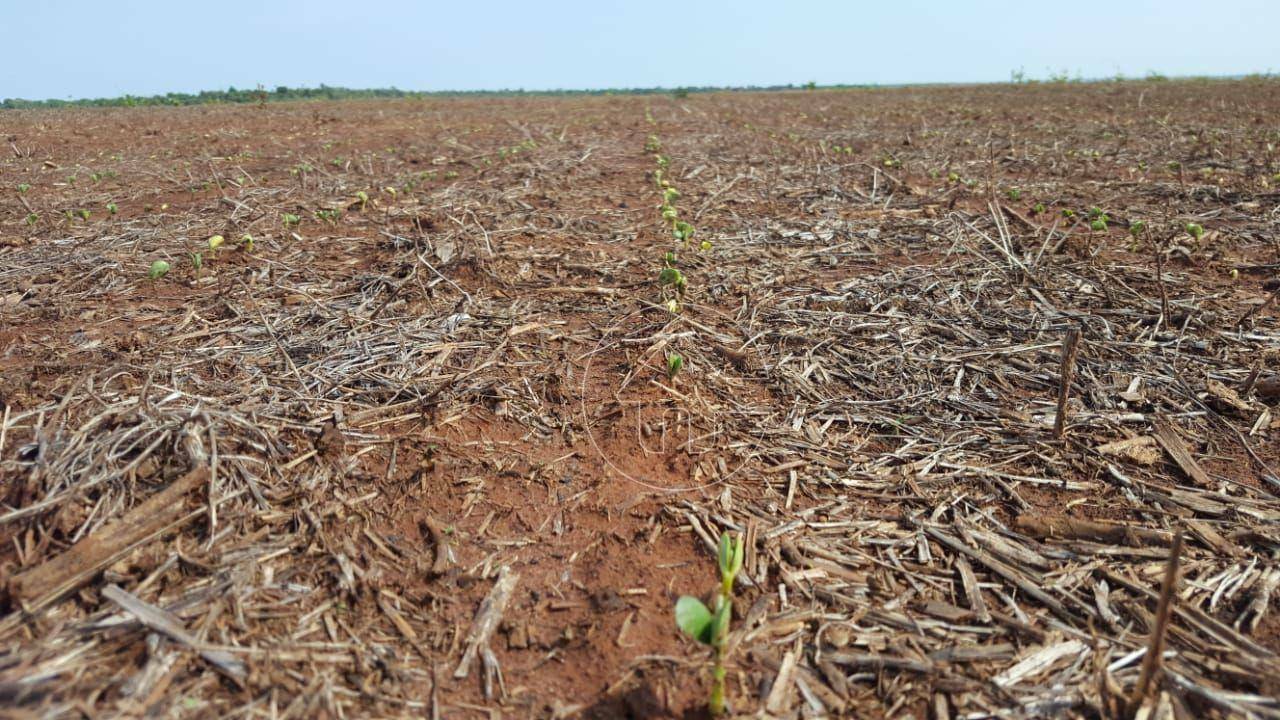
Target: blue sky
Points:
(90, 48)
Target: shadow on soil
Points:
(640, 703)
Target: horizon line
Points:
(393, 91)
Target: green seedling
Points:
(710, 626)
(246, 241)
(705, 245)
(1195, 230)
(669, 195)
(697, 621)
(158, 269)
(674, 364)
(730, 557)
(1137, 227)
(682, 231)
(1038, 209)
(111, 208)
(652, 144)
(953, 177)
(668, 213)
(197, 261)
(673, 277)
(1097, 219)
(1014, 194)
(84, 215)
(1068, 213)
(363, 198)
(32, 218)
(673, 307)
(289, 219)
(215, 242)
(23, 187)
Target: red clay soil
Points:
(397, 403)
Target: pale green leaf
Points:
(695, 619)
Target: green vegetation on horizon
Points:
(328, 92)
(207, 97)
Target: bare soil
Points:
(368, 420)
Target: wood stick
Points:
(1005, 572)
(441, 542)
(1245, 386)
(1168, 439)
(44, 584)
(971, 589)
(164, 622)
(1204, 624)
(1043, 527)
(1151, 662)
(1070, 345)
(1164, 293)
(487, 619)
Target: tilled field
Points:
(416, 452)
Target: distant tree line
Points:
(328, 92)
(207, 97)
